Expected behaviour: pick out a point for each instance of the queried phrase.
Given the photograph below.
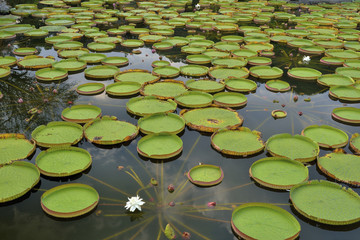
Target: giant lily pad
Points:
(230, 99)
(25, 51)
(326, 202)
(211, 119)
(74, 53)
(132, 43)
(352, 72)
(278, 173)
(355, 143)
(92, 57)
(194, 70)
(63, 161)
(165, 89)
(295, 147)
(7, 61)
(70, 64)
(205, 85)
(238, 142)
(194, 99)
(326, 136)
(81, 113)
(14, 146)
(264, 221)
(205, 175)
(347, 114)
(161, 122)
(229, 62)
(69, 45)
(340, 166)
(123, 88)
(108, 130)
(166, 71)
(90, 88)
(222, 73)
(35, 62)
(51, 74)
(198, 59)
(347, 93)
(4, 71)
(115, 61)
(335, 80)
(101, 72)
(277, 86)
(101, 47)
(240, 84)
(69, 200)
(266, 72)
(147, 105)
(17, 179)
(57, 134)
(136, 75)
(304, 73)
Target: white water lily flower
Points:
(197, 6)
(306, 59)
(134, 203)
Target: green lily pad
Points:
(17, 179)
(63, 161)
(35, 62)
(164, 89)
(92, 57)
(232, 38)
(57, 134)
(101, 72)
(340, 166)
(216, 53)
(101, 47)
(211, 119)
(352, 72)
(132, 43)
(341, 53)
(59, 21)
(315, 50)
(230, 99)
(238, 142)
(70, 64)
(73, 53)
(14, 146)
(56, 39)
(278, 173)
(278, 113)
(4, 35)
(330, 80)
(240, 84)
(304, 73)
(332, 61)
(69, 45)
(81, 113)
(194, 99)
(266, 72)
(136, 75)
(347, 114)
(229, 62)
(160, 145)
(296, 147)
(147, 105)
(347, 93)
(162, 46)
(193, 50)
(277, 86)
(123, 88)
(7, 61)
(160, 63)
(25, 51)
(69, 200)
(194, 70)
(326, 136)
(198, 59)
(227, 46)
(264, 221)
(223, 73)
(355, 63)
(326, 202)
(161, 122)
(166, 71)
(205, 175)
(51, 74)
(205, 85)
(4, 71)
(108, 130)
(90, 88)
(115, 61)
(355, 143)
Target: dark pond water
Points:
(24, 219)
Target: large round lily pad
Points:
(347, 93)
(352, 72)
(81, 113)
(35, 62)
(165, 89)
(4, 71)
(17, 179)
(205, 175)
(277, 86)
(136, 75)
(70, 64)
(69, 200)
(330, 80)
(161, 122)
(90, 88)
(304, 73)
(160, 145)
(340, 166)
(14, 146)
(194, 70)
(229, 62)
(7, 61)
(57, 134)
(194, 99)
(166, 71)
(147, 105)
(266, 72)
(230, 99)
(205, 85)
(238, 142)
(211, 119)
(326, 136)
(123, 88)
(51, 74)
(108, 130)
(347, 114)
(264, 221)
(222, 73)
(101, 72)
(63, 161)
(355, 143)
(278, 173)
(326, 202)
(240, 84)
(295, 147)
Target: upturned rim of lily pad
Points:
(227, 99)
(18, 165)
(322, 80)
(101, 47)
(264, 161)
(115, 140)
(244, 72)
(346, 93)
(204, 183)
(277, 210)
(162, 46)
(91, 72)
(198, 59)
(129, 71)
(132, 43)
(285, 86)
(12, 62)
(158, 71)
(110, 91)
(346, 119)
(325, 184)
(216, 146)
(99, 58)
(153, 137)
(22, 137)
(167, 82)
(232, 88)
(201, 70)
(343, 70)
(59, 73)
(223, 60)
(161, 63)
(81, 107)
(194, 104)
(68, 45)
(254, 71)
(355, 146)
(332, 61)
(55, 173)
(278, 113)
(79, 212)
(315, 74)
(70, 68)
(151, 117)
(52, 125)
(24, 51)
(32, 58)
(6, 71)
(170, 102)
(100, 89)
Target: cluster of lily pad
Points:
(318, 31)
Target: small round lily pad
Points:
(136, 75)
(205, 175)
(277, 86)
(90, 88)
(115, 61)
(160, 145)
(278, 113)
(230, 99)
(278, 173)
(63, 161)
(164, 89)
(101, 72)
(166, 71)
(25, 51)
(70, 64)
(4, 71)
(326, 136)
(69, 200)
(51, 74)
(240, 84)
(123, 88)
(161, 122)
(266, 72)
(81, 113)
(304, 73)
(205, 85)
(194, 99)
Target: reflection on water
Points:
(119, 172)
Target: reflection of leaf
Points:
(169, 232)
